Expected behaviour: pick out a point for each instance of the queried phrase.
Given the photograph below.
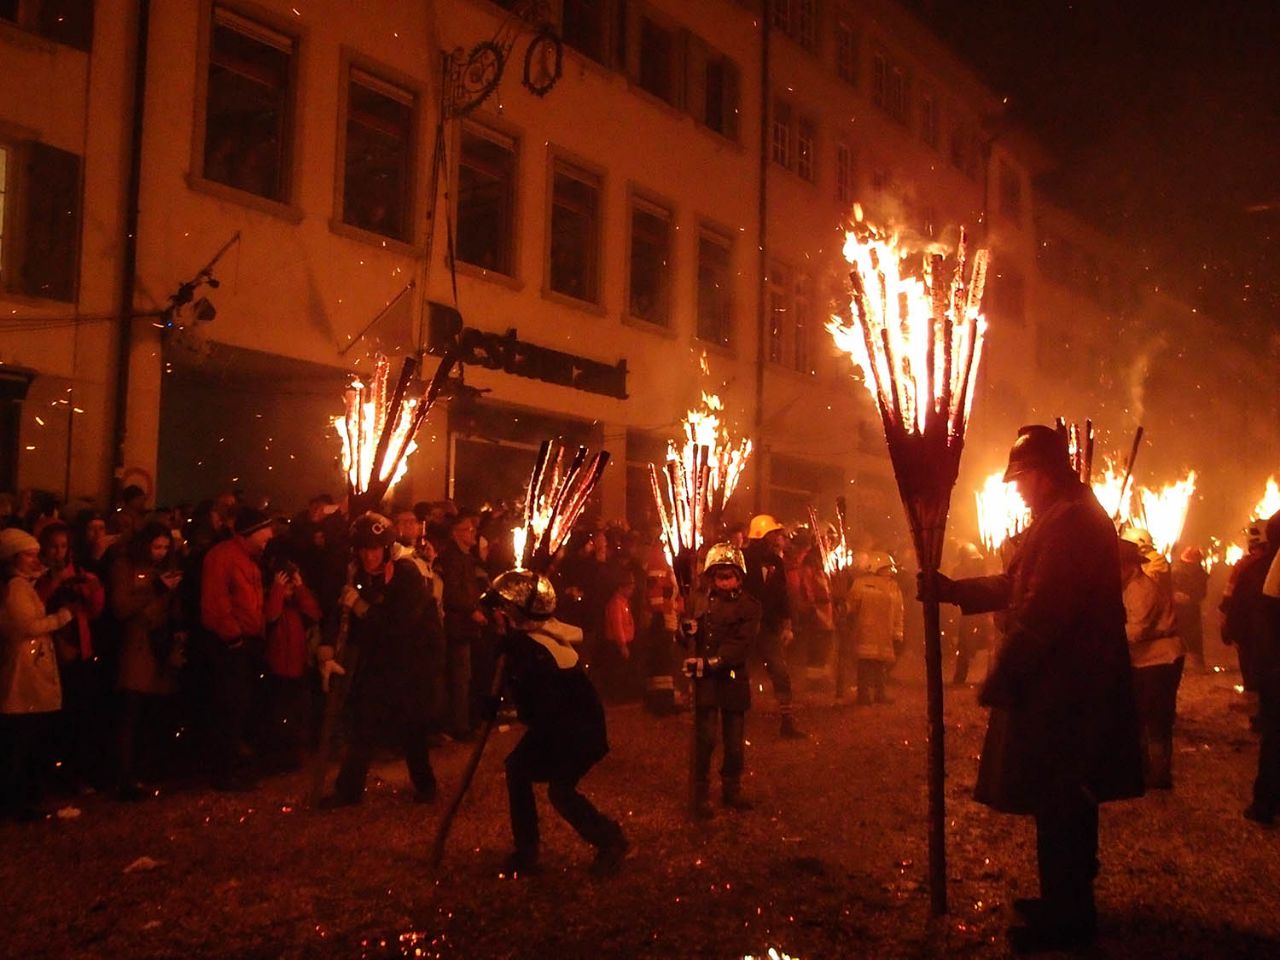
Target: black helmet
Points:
(372, 530)
(1039, 448)
(530, 594)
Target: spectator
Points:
(460, 573)
(292, 613)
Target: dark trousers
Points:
(733, 729)
(232, 700)
(774, 654)
(525, 767)
(1067, 856)
(1266, 787)
(1155, 691)
(21, 756)
(287, 719)
(81, 736)
(871, 677)
(457, 658)
(371, 720)
(141, 722)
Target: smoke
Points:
(1136, 377)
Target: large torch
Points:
(558, 491)
(377, 433)
(917, 333)
(691, 490)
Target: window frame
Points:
(724, 238)
(585, 172)
(271, 22)
(502, 135)
(352, 61)
(806, 143)
(651, 204)
(845, 170)
(847, 52)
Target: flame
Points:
(1270, 502)
(1166, 511)
(363, 422)
(1001, 512)
(1106, 487)
(917, 338)
(702, 428)
(519, 537)
(1233, 554)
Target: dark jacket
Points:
(460, 573)
(1061, 687)
(399, 648)
(767, 582)
(566, 735)
(1190, 585)
(727, 629)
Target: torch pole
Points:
(937, 753)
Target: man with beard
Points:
(1063, 734)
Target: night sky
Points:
(1166, 120)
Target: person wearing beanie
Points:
(30, 690)
(231, 608)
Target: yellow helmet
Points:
(762, 525)
(725, 555)
(877, 560)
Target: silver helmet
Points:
(724, 555)
(531, 594)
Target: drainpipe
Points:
(762, 249)
(129, 244)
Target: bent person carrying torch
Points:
(1063, 733)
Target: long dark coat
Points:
(566, 733)
(727, 628)
(1063, 718)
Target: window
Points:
(798, 19)
(779, 311)
(790, 333)
(584, 25)
(69, 22)
(40, 220)
(806, 134)
(1010, 192)
(377, 175)
(929, 121)
(802, 327)
(781, 137)
(486, 200)
(846, 53)
(1008, 301)
(844, 173)
(889, 88)
(719, 101)
(248, 131)
(964, 150)
(658, 60)
(715, 299)
(575, 233)
(649, 278)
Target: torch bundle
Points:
(832, 544)
(556, 496)
(916, 331)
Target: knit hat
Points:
(15, 540)
(249, 521)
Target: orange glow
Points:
(1001, 512)
(1166, 511)
(1106, 487)
(366, 408)
(1233, 555)
(727, 459)
(1270, 502)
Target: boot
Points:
(702, 809)
(1160, 764)
(731, 796)
(789, 730)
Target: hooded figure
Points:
(1063, 733)
(566, 734)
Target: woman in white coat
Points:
(874, 609)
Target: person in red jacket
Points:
(291, 611)
(231, 608)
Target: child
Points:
(875, 610)
(728, 622)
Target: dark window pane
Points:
(9, 10)
(51, 214)
(583, 27)
(377, 177)
(714, 301)
(66, 21)
(486, 203)
(656, 75)
(575, 237)
(650, 265)
(247, 114)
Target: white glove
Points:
(328, 669)
(349, 596)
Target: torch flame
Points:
(1270, 502)
(1233, 555)
(1001, 512)
(1166, 511)
(1108, 488)
(702, 428)
(362, 423)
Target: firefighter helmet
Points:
(1139, 536)
(1255, 535)
(878, 560)
(1038, 448)
(530, 594)
(724, 555)
(761, 526)
(372, 530)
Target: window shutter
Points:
(695, 83)
(732, 97)
(51, 217)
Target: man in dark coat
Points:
(767, 582)
(566, 733)
(460, 572)
(1063, 733)
(1190, 585)
(728, 621)
(1257, 590)
(399, 652)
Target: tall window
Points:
(889, 87)
(844, 173)
(649, 279)
(657, 60)
(248, 137)
(575, 233)
(790, 333)
(720, 95)
(486, 200)
(40, 221)
(779, 311)
(798, 19)
(806, 137)
(715, 300)
(584, 25)
(1010, 192)
(377, 178)
(781, 134)
(63, 21)
(846, 52)
(802, 326)
(929, 121)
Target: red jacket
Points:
(231, 593)
(287, 633)
(75, 641)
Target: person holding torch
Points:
(1063, 732)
